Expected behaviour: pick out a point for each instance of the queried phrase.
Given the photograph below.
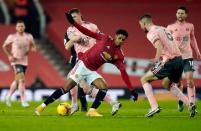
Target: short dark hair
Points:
(20, 21)
(183, 8)
(147, 16)
(122, 32)
(74, 10)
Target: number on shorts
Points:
(191, 63)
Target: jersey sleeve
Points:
(121, 66)
(95, 28)
(66, 39)
(9, 40)
(153, 37)
(87, 32)
(169, 28)
(70, 32)
(194, 42)
(31, 38)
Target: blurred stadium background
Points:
(46, 21)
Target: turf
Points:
(130, 117)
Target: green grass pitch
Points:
(129, 118)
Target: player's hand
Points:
(134, 95)
(12, 58)
(33, 49)
(69, 18)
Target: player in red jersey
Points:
(106, 50)
(81, 43)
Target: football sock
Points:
(73, 93)
(150, 96)
(107, 98)
(13, 87)
(180, 102)
(177, 92)
(181, 87)
(99, 98)
(191, 94)
(55, 95)
(21, 87)
(82, 97)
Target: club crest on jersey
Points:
(176, 30)
(108, 47)
(115, 57)
(187, 29)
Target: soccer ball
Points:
(64, 109)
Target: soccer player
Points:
(168, 64)
(74, 90)
(78, 42)
(183, 34)
(21, 43)
(106, 50)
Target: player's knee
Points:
(73, 93)
(86, 90)
(100, 84)
(143, 80)
(166, 85)
(103, 87)
(104, 90)
(69, 84)
(190, 83)
(21, 81)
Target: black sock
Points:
(180, 102)
(58, 93)
(99, 97)
(82, 97)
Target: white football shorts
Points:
(81, 72)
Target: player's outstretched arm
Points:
(120, 65)
(71, 41)
(81, 28)
(126, 79)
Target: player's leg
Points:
(173, 87)
(175, 77)
(180, 102)
(12, 89)
(21, 87)
(190, 86)
(92, 91)
(177, 92)
(188, 70)
(69, 84)
(191, 92)
(101, 85)
(74, 105)
(82, 95)
(75, 76)
(20, 78)
(167, 84)
(145, 80)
